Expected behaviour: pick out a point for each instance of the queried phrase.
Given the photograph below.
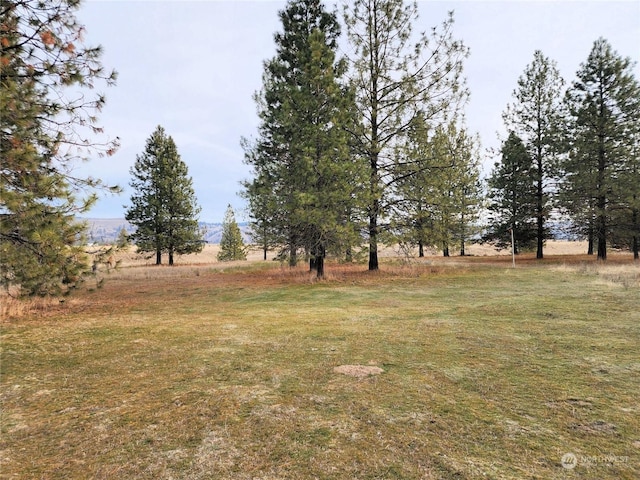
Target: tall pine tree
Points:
(163, 207)
(602, 167)
(536, 116)
(47, 125)
(303, 172)
(460, 188)
(396, 80)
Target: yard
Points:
(195, 372)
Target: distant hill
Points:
(106, 230)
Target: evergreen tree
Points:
(164, 208)
(602, 168)
(462, 192)
(263, 230)
(395, 81)
(303, 173)
(632, 196)
(413, 217)
(437, 188)
(123, 239)
(45, 128)
(512, 198)
(231, 245)
(536, 117)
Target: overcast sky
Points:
(193, 67)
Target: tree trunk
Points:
(316, 260)
(602, 248)
(158, 257)
(540, 203)
(170, 257)
(373, 255)
(601, 186)
(265, 245)
(420, 249)
(445, 250)
(601, 202)
(319, 261)
(293, 258)
(601, 232)
(374, 63)
(539, 252)
(636, 226)
(373, 240)
(590, 239)
(462, 231)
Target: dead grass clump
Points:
(626, 275)
(12, 307)
(611, 274)
(358, 371)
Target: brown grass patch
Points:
(358, 371)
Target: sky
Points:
(194, 66)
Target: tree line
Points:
(373, 144)
(362, 139)
(570, 152)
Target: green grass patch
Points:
(489, 372)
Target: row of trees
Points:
(572, 154)
(375, 143)
(342, 141)
(164, 208)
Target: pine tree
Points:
(462, 189)
(413, 218)
(45, 128)
(231, 244)
(303, 182)
(164, 208)
(437, 188)
(512, 198)
(536, 117)
(263, 229)
(123, 239)
(632, 196)
(395, 81)
(602, 168)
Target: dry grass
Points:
(197, 373)
(608, 274)
(130, 258)
(13, 307)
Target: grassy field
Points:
(193, 372)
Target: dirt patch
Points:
(358, 371)
(599, 426)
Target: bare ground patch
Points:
(358, 371)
